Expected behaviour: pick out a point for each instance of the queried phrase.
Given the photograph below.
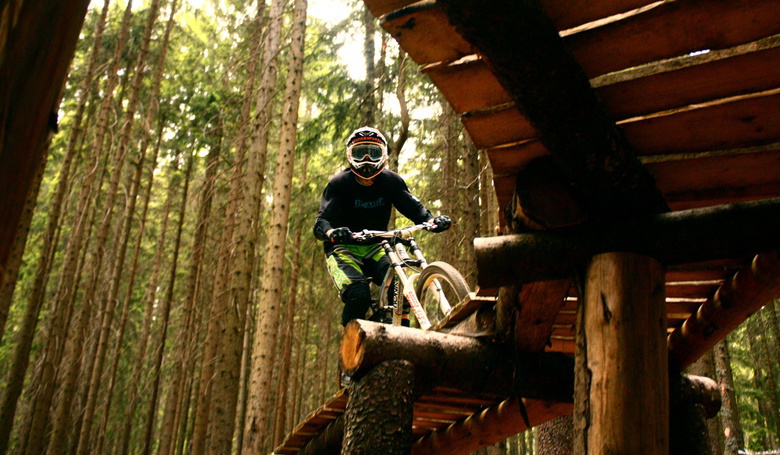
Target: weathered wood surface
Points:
(378, 418)
(673, 29)
(693, 80)
(740, 123)
(565, 13)
(692, 181)
(550, 89)
(488, 427)
(442, 360)
(622, 385)
(735, 301)
(727, 231)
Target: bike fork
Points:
(406, 288)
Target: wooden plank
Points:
(511, 160)
(692, 290)
(538, 304)
(492, 129)
(695, 179)
(711, 80)
(564, 13)
(554, 95)
(468, 86)
(736, 124)
(381, 7)
(571, 13)
(673, 29)
(426, 34)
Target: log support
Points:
(379, 411)
(451, 361)
(727, 231)
(621, 400)
(738, 298)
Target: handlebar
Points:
(366, 234)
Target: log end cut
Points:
(352, 347)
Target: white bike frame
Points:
(397, 257)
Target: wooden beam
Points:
(735, 301)
(491, 425)
(33, 67)
(379, 411)
(328, 441)
(621, 401)
(525, 52)
(720, 232)
(457, 362)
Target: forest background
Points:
(165, 293)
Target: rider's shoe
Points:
(344, 380)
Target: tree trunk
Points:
(378, 418)
(762, 374)
(15, 380)
(11, 273)
(150, 297)
(488, 210)
(287, 337)
(470, 219)
(257, 152)
(270, 293)
(368, 103)
(556, 436)
(732, 425)
(119, 261)
(621, 348)
(30, 95)
(112, 377)
(186, 341)
(705, 366)
(165, 312)
(75, 343)
(67, 281)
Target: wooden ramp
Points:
(431, 413)
(436, 411)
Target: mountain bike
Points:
(431, 290)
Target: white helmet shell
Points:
(366, 152)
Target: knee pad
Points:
(357, 299)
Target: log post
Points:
(378, 418)
(621, 399)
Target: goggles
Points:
(366, 152)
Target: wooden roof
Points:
(694, 86)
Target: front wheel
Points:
(440, 287)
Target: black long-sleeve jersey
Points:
(347, 203)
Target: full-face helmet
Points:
(366, 152)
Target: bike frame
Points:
(398, 256)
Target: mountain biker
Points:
(361, 197)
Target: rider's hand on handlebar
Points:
(441, 223)
(340, 235)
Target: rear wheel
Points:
(440, 287)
